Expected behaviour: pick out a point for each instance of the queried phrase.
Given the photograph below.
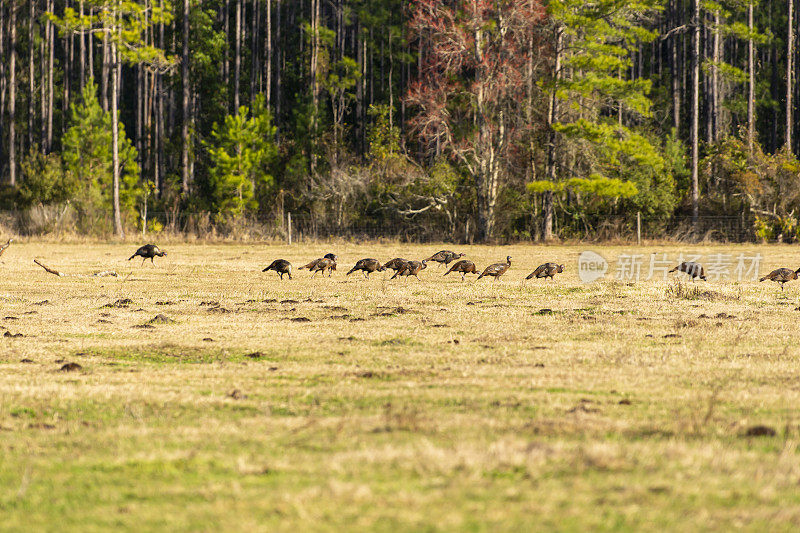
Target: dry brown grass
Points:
(397, 405)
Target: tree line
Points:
(488, 119)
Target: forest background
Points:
(466, 120)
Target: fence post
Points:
(289, 233)
(639, 227)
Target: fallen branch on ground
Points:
(101, 274)
(6, 245)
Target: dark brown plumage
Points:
(310, 266)
(695, 270)
(326, 263)
(281, 266)
(547, 270)
(395, 264)
(497, 269)
(367, 266)
(444, 257)
(782, 275)
(148, 251)
(465, 266)
(411, 268)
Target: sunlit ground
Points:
(350, 404)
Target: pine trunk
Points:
(43, 89)
(713, 115)
(115, 140)
(674, 72)
(268, 55)
(315, 16)
(696, 115)
(2, 85)
(552, 117)
(185, 102)
(158, 171)
(254, 59)
(69, 61)
(104, 74)
(31, 72)
(12, 96)
(789, 74)
(81, 51)
(90, 51)
(50, 74)
(278, 62)
(237, 58)
(751, 85)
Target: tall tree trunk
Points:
(774, 90)
(226, 63)
(675, 71)
(552, 117)
(530, 169)
(751, 85)
(713, 118)
(31, 72)
(69, 62)
(82, 50)
(185, 102)
(140, 103)
(696, 115)
(361, 88)
(3, 86)
(43, 88)
(115, 66)
(254, 59)
(315, 16)
(268, 55)
(50, 74)
(278, 61)
(158, 170)
(104, 74)
(12, 96)
(789, 74)
(237, 59)
(90, 51)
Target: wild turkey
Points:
(367, 266)
(326, 263)
(547, 270)
(411, 268)
(310, 266)
(444, 257)
(497, 269)
(695, 270)
(6, 245)
(782, 275)
(395, 264)
(281, 266)
(465, 266)
(148, 251)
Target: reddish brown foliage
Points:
(473, 85)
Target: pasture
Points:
(374, 405)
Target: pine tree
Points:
(122, 23)
(241, 152)
(591, 103)
(88, 157)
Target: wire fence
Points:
(304, 227)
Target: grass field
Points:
(352, 404)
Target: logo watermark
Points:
(591, 266)
(642, 267)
